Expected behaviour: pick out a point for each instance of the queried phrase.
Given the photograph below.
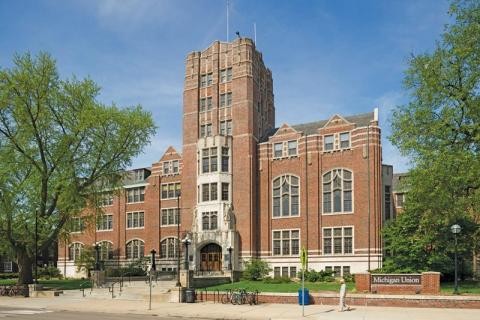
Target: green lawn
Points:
(69, 284)
(282, 287)
(464, 287)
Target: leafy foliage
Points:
(317, 276)
(59, 147)
(256, 269)
(440, 130)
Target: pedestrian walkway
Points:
(227, 311)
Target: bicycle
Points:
(253, 297)
(226, 297)
(239, 297)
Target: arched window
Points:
(337, 191)
(168, 248)
(75, 250)
(286, 196)
(135, 249)
(106, 250)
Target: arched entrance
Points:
(211, 257)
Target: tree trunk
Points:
(25, 272)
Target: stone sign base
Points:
(424, 283)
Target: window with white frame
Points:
(292, 148)
(170, 167)
(170, 216)
(135, 220)
(106, 250)
(286, 196)
(338, 271)
(286, 242)
(225, 99)
(226, 75)
(209, 160)
(105, 222)
(226, 128)
(139, 174)
(328, 143)
(166, 168)
(135, 194)
(170, 190)
(206, 130)
(225, 191)
(337, 191)
(206, 104)
(77, 224)
(75, 250)
(345, 140)
(206, 80)
(278, 150)
(209, 220)
(225, 159)
(106, 199)
(168, 248)
(285, 149)
(135, 249)
(338, 240)
(209, 191)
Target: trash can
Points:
(189, 295)
(303, 299)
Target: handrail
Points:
(82, 288)
(111, 288)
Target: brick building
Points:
(244, 188)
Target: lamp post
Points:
(36, 247)
(97, 257)
(229, 258)
(152, 270)
(186, 242)
(154, 266)
(178, 241)
(456, 230)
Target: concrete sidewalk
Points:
(227, 311)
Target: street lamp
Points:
(229, 258)
(456, 230)
(97, 257)
(186, 242)
(154, 266)
(178, 284)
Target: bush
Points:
(256, 269)
(135, 268)
(9, 275)
(49, 273)
(314, 276)
(277, 280)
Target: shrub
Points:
(314, 276)
(9, 275)
(256, 269)
(277, 280)
(49, 272)
(135, 268)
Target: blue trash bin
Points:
(303, 299)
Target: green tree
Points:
(58, 146)
(439, 129)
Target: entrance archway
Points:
(211, 257)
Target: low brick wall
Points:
(429, 283)
(411, 301)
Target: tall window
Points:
(206, 130)
(345, 140)
(292, 148)
(225, 75)
(170, 190)
(286, 196)
(168, 248)
(285, 149)
(226, 128)
(206, 80)
(278, 150)
(105, 222)
(225, 99)
(209, 220)
(337, 191)
(206, 104)
(225, 159)
(135, 220)
(209, 191)
(225, 191)
(286, 242)
(135, 249)
(209, 160)
(75, 250)
(338, 240)
(135, 194)
(328, 143)
(76, 224)
(106, 250)
(106, 199)
(170, 216)
(400, 200)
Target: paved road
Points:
(42, 314)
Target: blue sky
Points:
(327, 57)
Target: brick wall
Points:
(430, 284)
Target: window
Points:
(74, 251)
(139, 175)
(328, 143)
(226, 75)
(286, 242)
(338, 240)
(226, 128)
(346, 270)
(225, 191)
(225, 159)
(206, 130)
(106, 199)
(292, 148)
(175, 165)
(105, 222)
(209, 220)
(285, 272)
(337, 191)
(206, 80)
(76, 224)
(337, 270)
(387, 202)
(209, 160)
(276, 272)
(166, 168)
(170, 216)
(400, 200)
(345, 140)
(225, 99)
(135, 220)
(135, 249)
(286, 196)
(170, 167)
(278, 150)
(206, 104)
(135, 195)
(293, 272)
(168, 248)
(209, 192)
(106, 250)
(170, 190)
